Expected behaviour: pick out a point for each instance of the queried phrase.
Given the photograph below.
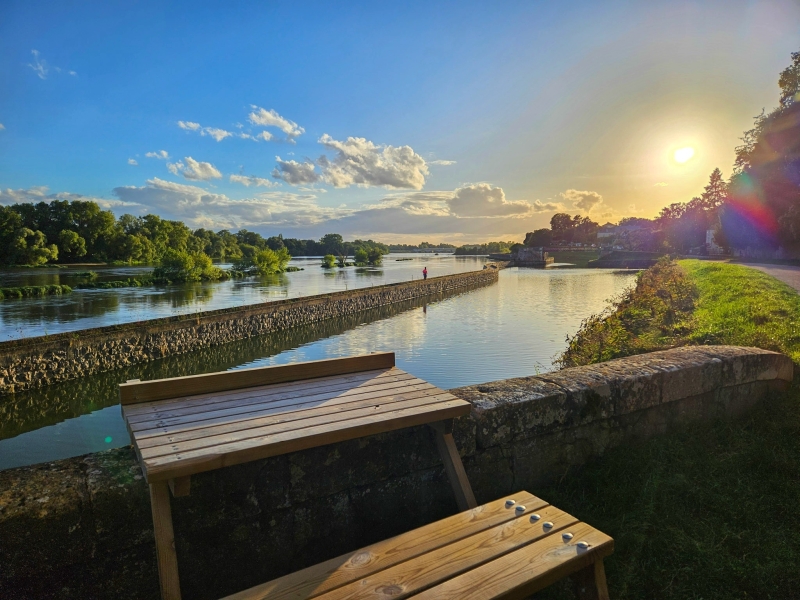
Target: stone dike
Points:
(36, 362)
(82, 528)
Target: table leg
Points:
(165, 541)
(453, 465)
(591, 582)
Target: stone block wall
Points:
(81, 528)
(39, 361)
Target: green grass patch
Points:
(743, 307)
(708, 512)
(116, 283)
(34, 291)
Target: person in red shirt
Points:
(425, 272)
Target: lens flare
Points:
(683, 155)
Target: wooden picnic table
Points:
(188, 425)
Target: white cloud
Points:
(660, 184)
(39, 65)
(189, 125)
(194, 170)
(360, 162)
(161, 154)
(200, 208)
(264, 135)
(133, 162)
(247, 181)
(444, 163)
(2, 127)
(584, 200)
(270, 118)
(295, 172)
(217, 134)
(485, 200)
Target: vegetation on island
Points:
(417, 247)
(33, 291)
(482, 249)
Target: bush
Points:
(178, 266)
(361, 257)
(329, 261)
(34, 291)
(374, 257)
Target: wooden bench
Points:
(188, 425)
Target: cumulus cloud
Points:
(484, 200)
(189, 125)
(294, 172)
(133, 162)
(584, 200)
(247, 181)
(200, 208)
(39, 193)
(444, 163)
(217, 134)
(194, 170)
(264, 135)
(161, 154)
(270, 118)
(358, 161)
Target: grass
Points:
(33, 291)
(709, 511)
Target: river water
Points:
(512, 329)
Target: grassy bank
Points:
(692, 302)
(709, 511)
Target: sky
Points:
(454, 122)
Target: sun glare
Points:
(683, 155)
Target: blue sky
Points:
(451, 121)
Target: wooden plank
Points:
(430, 569)
(454, 469)
(197, 461)
(278, 390)
(159, 389)
(169, 418)
(180, 486)
(371, 409)
(165, 542)
(519, 574)
(240, 423)
(336, 572)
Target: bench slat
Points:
(256, 404)
(413, 576)
(249, 422)
(159, 389)
(201, 402)
(521, 573)
(340, 571)
(188, 463)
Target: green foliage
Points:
(180, 266)
(269, 261)
(374, 257)
(655, 314)
(117, 283)
(412, 247)
(361, 257)
(329, 261)
(481, 249)
(34, 291)
(539, 238)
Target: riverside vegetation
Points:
(690, 510)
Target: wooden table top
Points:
(187, 434)
(510, 547)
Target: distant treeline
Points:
(412, 247)
(488, 248)
(80, 231)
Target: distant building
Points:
(711, 245)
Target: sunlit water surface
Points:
(511, 329)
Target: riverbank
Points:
(692, 302)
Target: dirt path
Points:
(787, 274)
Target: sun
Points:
(683, 155)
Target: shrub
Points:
(329, 261)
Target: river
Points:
(512, 329)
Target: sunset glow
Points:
(683, 155)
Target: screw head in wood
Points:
(583, 545)
(547, 524)
(520, 509)
(510, 503)
(535, 517)
(566, 536)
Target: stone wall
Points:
(39, 361)
(81, 528)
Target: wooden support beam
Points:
(165, 542)
(180, 486)
(453, 465)
(590, 582)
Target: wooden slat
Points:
(322, 417)
(248, 421)
(198, 461)
(247, 405)
(287, 390)
(159, 389)
(165, 542)
(336, 572)
(521, 573)
(433, 568)
(455, 469)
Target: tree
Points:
(30, 247)
(561, 225)
(269, 261)
(329, 261)
(71, 245)
(789, 82)
(715, 193)
(539, 238)
(361, 257)
(332, 243)
(375, 257)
